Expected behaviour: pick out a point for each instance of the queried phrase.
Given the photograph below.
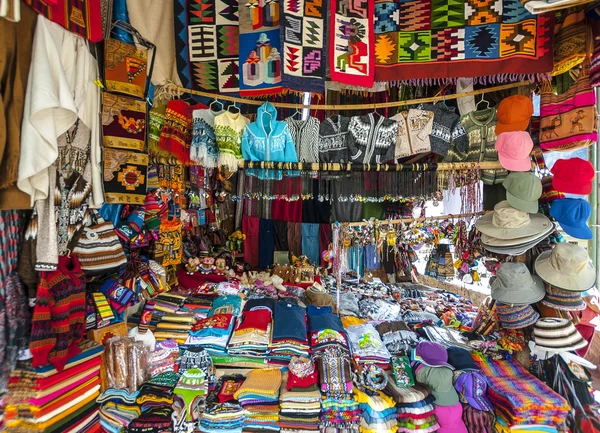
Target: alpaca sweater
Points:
(333, 139)
(372, 139)
(446, 129)
(414, 128)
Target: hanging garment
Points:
(446, 129)
(305, 134)
(204, 150)
(228, 132)
(310, 242)
(266, 243)
(414, 128)
(372, 139)
(333, 139)
(251, 228)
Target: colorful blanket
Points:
(206, 40)
(426, 40)
(351, 45)
(518, 396)
(260, 47)
(303, 39)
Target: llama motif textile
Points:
(260, 48)
(425, 40)
(303, 43)
(206, 42)
(351, 47)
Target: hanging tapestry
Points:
(82, 17)
(125, 176)
(123, 122)
(125, 68)
(351, 47)
(303, 43)
(206, 40)
(260, 48)
(429, 40)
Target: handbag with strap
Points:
(99, 249)
(568, 121)
(126, 67)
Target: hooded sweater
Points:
(268, 139)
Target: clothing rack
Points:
(410, 220)
(171, 88)
(334, 166)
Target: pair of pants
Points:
(310, 242)
(266, 243)
(251, 228)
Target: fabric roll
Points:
(251, 227)
(310, 241)
(266, 243)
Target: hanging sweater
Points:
(268, 139)
(204, 150)
(480, 127)
(228, 132)
(305, 134)
(333, 139)
(446, 129)
(58, 322)
(414, 127)
(372, 139)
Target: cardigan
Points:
(305, 134)
(372, 139)
(480, 127)
(446, 129)
(333, 143)
(414, 127)
(228, 133)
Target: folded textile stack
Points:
(45, 400)
(252, 334)
(325, 330)
(289, 332)
(164, 357)
(367, 347)
(259, 396)
(339, 415)
(518, 396)
(118, 408)
(299, 408)
(157, 392)
(378, 412)
(222, 418)
(230, 304)
(168, 302)
(175, 326)
(414, 408)
(397, 337)
(155, 420)
(212, 333)
(199, 304)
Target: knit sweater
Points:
(372, 139)
(305, 134)
(414, 127)
(204, 150)
(480, 127)
(446, 129)
(58, 322)
(228, 132)
(333, 139)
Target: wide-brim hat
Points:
(563, 299)
(567, 267)
(514, 285)
(514, 250)
(516, 316)
(555, 334)
(524, 241)
(495, 223)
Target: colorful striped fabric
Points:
(518, 396)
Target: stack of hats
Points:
(289, 332)
(415, 412)
(164, 357)
(514, 144)
(299, 407)
(553, 334)
(367, 347)
(259, 396)
(118, 408)
(512, 231)
(157, 392)
(378, 411)
(44, 399)
(514, 289)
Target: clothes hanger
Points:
(215, 101)
(482, 100)
(233, 105)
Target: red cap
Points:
(573, 176)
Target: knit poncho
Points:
(228, 132)
(204, 150)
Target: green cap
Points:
(439, 380)
(523, 191)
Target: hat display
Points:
(431, 354)
(523, 191)
(563, 299)
(439, 381)
(506, 222)
(472, 388)
(572, 214)
(514, 114)
(573, 176)
(514, 285)
(461, 359)
(567, 267)
(516, 317)
(555, 334)
(514, 150)
(519, 243)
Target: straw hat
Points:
(506, 222)
(514, 285)
(567, 267)
(563, 299)
(554, 334)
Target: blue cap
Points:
(572, 214)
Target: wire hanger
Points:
(216, 101)
(233, 105)
(483, 100)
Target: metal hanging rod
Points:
(334, 166)
(410, 220)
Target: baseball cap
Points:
(439, 380)
(514, 150)
(523, 191)
(514, 114)
(572, 214)
(461, 359)
(573, 176)
(472, 388)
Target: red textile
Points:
(301, 382)
(587, 332)
(256, 319)
(176, 133)
(192, 282)
(284, 210)
(250, 227)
